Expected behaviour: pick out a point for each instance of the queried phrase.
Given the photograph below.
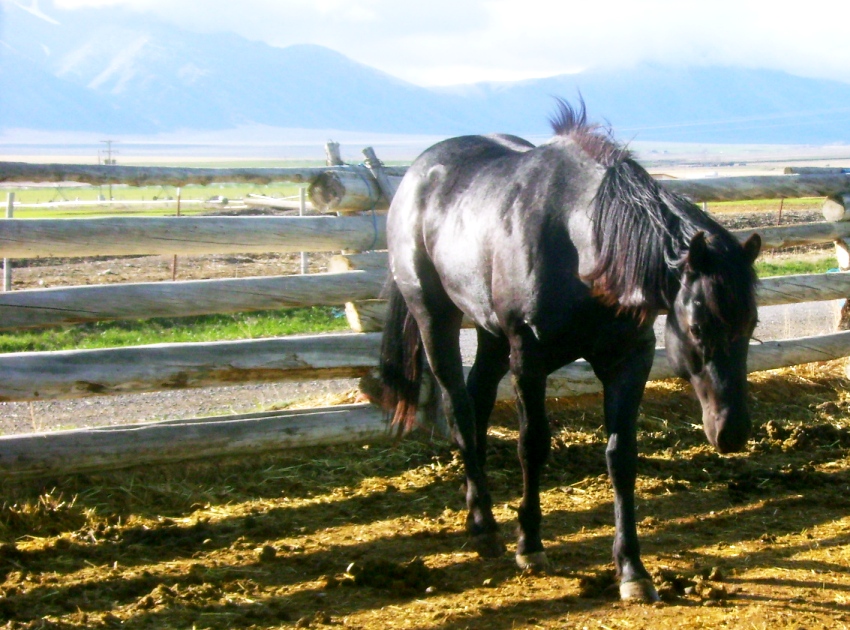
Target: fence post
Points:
(376, 167)
(7, 264)
(302, 208)
(835, 210)
(332, 154)
(174, 260)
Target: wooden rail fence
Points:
(354, 279)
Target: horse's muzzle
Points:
(727, 431)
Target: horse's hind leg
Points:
(529, 373)
(439, 325)
(490, 366)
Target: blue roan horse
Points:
(563, 251)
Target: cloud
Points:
(452, 41)
(33, 8)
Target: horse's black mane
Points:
(642, 232)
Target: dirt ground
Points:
(370, 535)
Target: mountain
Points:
(111, 70)
(708, 104)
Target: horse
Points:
(556, 252)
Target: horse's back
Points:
(482, 218)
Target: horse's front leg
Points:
(624, 382)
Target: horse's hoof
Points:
(489, 545)
(532, 561)
(639, 590)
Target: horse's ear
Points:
(752, 247)
(697, 260)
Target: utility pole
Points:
(109, 160)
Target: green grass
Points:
(767, 268)
(174, 330)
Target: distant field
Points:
(48, 194)
(61, 202)
(766, 205)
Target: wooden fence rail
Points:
(807, 183)
(123, 236)
(103, 448)
(80, 373)
(34, 308)
(98, 174)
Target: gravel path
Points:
(53, 415)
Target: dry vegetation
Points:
(371, 536)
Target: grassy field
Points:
(161, 200)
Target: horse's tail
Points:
(401, 362)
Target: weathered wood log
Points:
(73, 305)
(71, 374)
(772, 237)
(369, 315)
(347, 191)
(366, 315)
(796, 235)
(772, 355)
(79, 373)
(835, 208)
(117, 236)
(805, 184)
(363, 315)
(578, 378)
(332, 155)
(88, 450)
(159, 176)
(759, 187)
(379, 172)
(366, 261)
(803, 288)
(357, 289)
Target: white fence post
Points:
(302, 208)
(835, 210)
(7, 264)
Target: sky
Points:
(446, 42)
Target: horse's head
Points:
(708, 334)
